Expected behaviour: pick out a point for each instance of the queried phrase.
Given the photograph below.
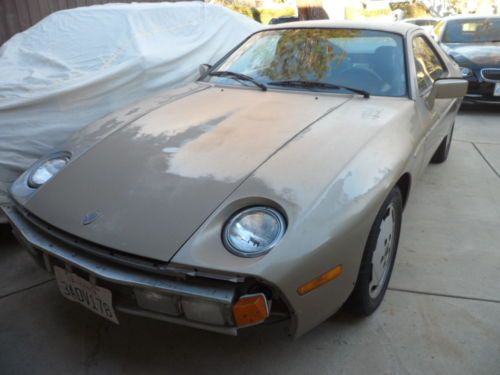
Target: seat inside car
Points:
(388, 64)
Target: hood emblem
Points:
(90, 217)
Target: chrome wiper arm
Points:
(322, 85)
(238, 76)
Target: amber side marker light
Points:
(250, 309)
(323, 279)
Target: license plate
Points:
(496, 91)
(93, 297)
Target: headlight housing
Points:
(466, 72)
(48, 168)
(253, 231)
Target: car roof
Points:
(421, 18)
(391, 27)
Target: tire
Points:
(369, 292)
(443, 150)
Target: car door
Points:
(434, 115)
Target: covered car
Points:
(79, 65)
(473, 42)
(271, 189)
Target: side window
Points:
(428, 64)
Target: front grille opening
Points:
(491, 74)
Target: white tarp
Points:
(78, 65)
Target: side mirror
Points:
(204, 68)
(447, 88)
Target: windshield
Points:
(372, 61)
(476, 30)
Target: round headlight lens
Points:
(254, 231)
(48, 169)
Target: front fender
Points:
(330, 182)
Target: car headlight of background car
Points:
(254, 231)
(466, 72)
(48, 168)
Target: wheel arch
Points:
(404, 185)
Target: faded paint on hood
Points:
(155, 181)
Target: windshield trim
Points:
(293, 90)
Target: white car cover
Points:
(78, 65)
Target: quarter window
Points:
(428, 65)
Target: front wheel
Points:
(379, 256)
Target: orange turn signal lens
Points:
(323, 279)
(250, 309)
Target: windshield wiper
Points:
(321, 85)
(238, 76)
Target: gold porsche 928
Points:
(270, 189)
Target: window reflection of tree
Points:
(428, 66)
(307, 54)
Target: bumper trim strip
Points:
(112, 273)
(232, 331)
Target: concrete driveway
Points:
(440, 316)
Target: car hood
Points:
(474, 55)
(153, 182)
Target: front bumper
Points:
(481, 91)
(130, 286)
(481, 99)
